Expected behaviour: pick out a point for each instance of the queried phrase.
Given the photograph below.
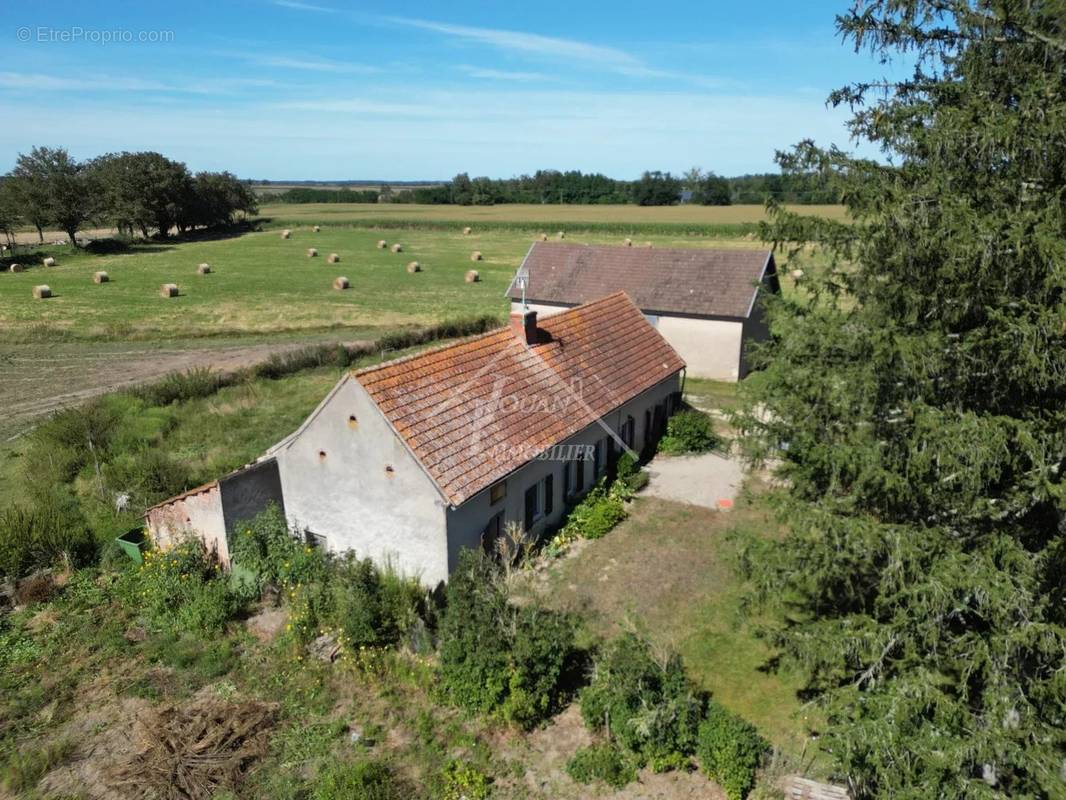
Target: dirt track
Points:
(38, 379)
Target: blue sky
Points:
(417, 90)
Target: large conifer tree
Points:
(915, 394)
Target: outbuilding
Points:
(705, 302)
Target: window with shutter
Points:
(531, 506)
(549, 494)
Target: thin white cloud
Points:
(305, 6)
(40, 82)
(532, 43)
(502, 75)
(313, 64)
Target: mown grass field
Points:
(566, 215)
(261, 283)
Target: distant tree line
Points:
(544, 187)
(143, 193)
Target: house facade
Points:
(412, 460)
(705, 302)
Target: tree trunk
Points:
(40, 232)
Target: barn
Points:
(704, 302)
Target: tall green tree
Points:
(29, 186)
(915, 397)
(61, 189)
(10, 217)
(144, 191)
(657, 189)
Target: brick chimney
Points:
(524, 325)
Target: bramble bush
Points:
(364, 780)
(266, 546)
(375, 607)
(649, 708)
(498, 658)
(462, 781)
(42, 535)
(182, 588)
(602, 762)
(689, 431)
(729, 749)
(367, 606)
(598, 512)
(628, 472)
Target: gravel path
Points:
(708, 480)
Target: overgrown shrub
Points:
(71, 439)
(462, 781)
(181, 387)
(602, 762)
(689, 431)
(148, 475)
(364, 780)
(729, 749)
(181, 588)
(266, 547)
(41, 535)
(646, 705)
(375, 607)
(498, 658)
(597, 513)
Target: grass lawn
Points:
(667, 571)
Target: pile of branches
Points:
(191, 752)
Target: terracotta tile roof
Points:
(204, 487)
(679, 280)
(474, 411)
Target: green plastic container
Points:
(133, 542)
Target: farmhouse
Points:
(409, 461)
(703, 301)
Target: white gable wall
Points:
(711, 348)
(348, 496)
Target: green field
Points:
(261, 283)
(567, 216)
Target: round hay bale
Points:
(414, 266)
(340, 283)
(100, 277)
(382, 244)
(203, 269)
(466, 231)
(475, 256)
(316, 228)
(333, 258)
(397, 248)
(311, 252)
(15, 268)
(796, 274)
(168, 290)
(42, 292)
(544, 237)
(629, 242)
(285, 234)
(472, 276)
(561, 234)
(49, 262)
